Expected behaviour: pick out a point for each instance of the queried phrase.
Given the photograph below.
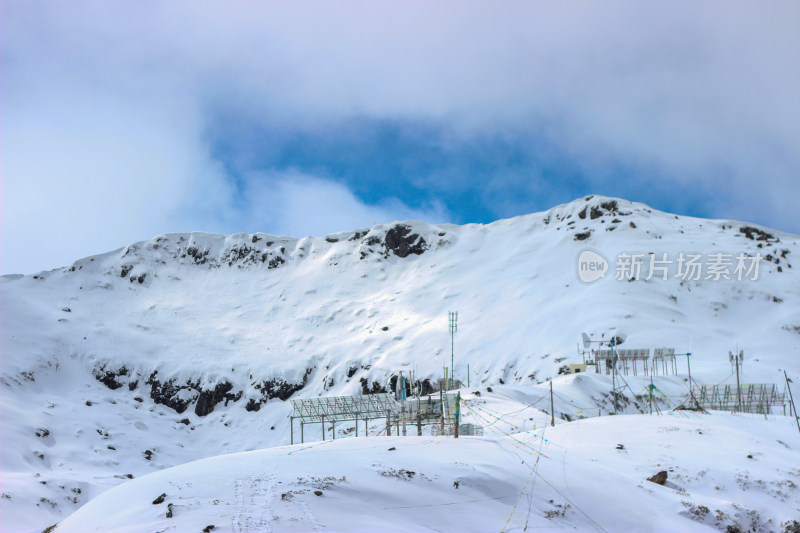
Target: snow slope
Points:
(570, 477)
(187, 345)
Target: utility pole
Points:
(452, 317)
(614, 374)
(552, 412)
(737, 360)
(403, 399)
(651, 393)
(791, 399)
(457, 413)
(419, 419)
(441, 408)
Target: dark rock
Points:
(148, 454)
(125, 270)
(209, 398)
(392, 449)
(401, 242)
(352, 371)
(160, 499)
(169, 510)
(583, 236)
(166, 393)
(755, 234)
(185, 421)
(373, 389)
(253, 405)
(331, 239)
(489, 389)
(141, 278)
(426, 387)
(276, 261)
(318, 492)
(66, 309)
(210, 527)
(109, 377)
(385, 328)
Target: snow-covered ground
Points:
(187, 346)
(722, 470)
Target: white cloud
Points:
(298, 204)
(106, 105)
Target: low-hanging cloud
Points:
(109, 108)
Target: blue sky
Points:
(125, 120)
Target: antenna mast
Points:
(452, 317)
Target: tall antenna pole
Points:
(791, 399)
(614, 373)
(737, 359)
(453, 324)
(552, 412)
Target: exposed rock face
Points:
(209, 398)
(401, 242)
(373, 389)
(659, 478)
(109, 377)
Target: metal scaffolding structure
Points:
(435, 409)
(666, 358)
(747, 398)
(635, 360)
(343, 408)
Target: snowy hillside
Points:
(186, 346)
(586, 476)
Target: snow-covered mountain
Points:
(186, 345)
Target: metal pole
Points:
(388, 424)
(301, 432)
(291, 429)
(333, 425)
(457, 414)
(453, 319)
(323, 427)
(356, 425)
(403, 406)
(738, 386)
(419, 419)
(651, 395)
(467, 374)
(791, 399)
(614, 377)
(552, 412)
(441, 408)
